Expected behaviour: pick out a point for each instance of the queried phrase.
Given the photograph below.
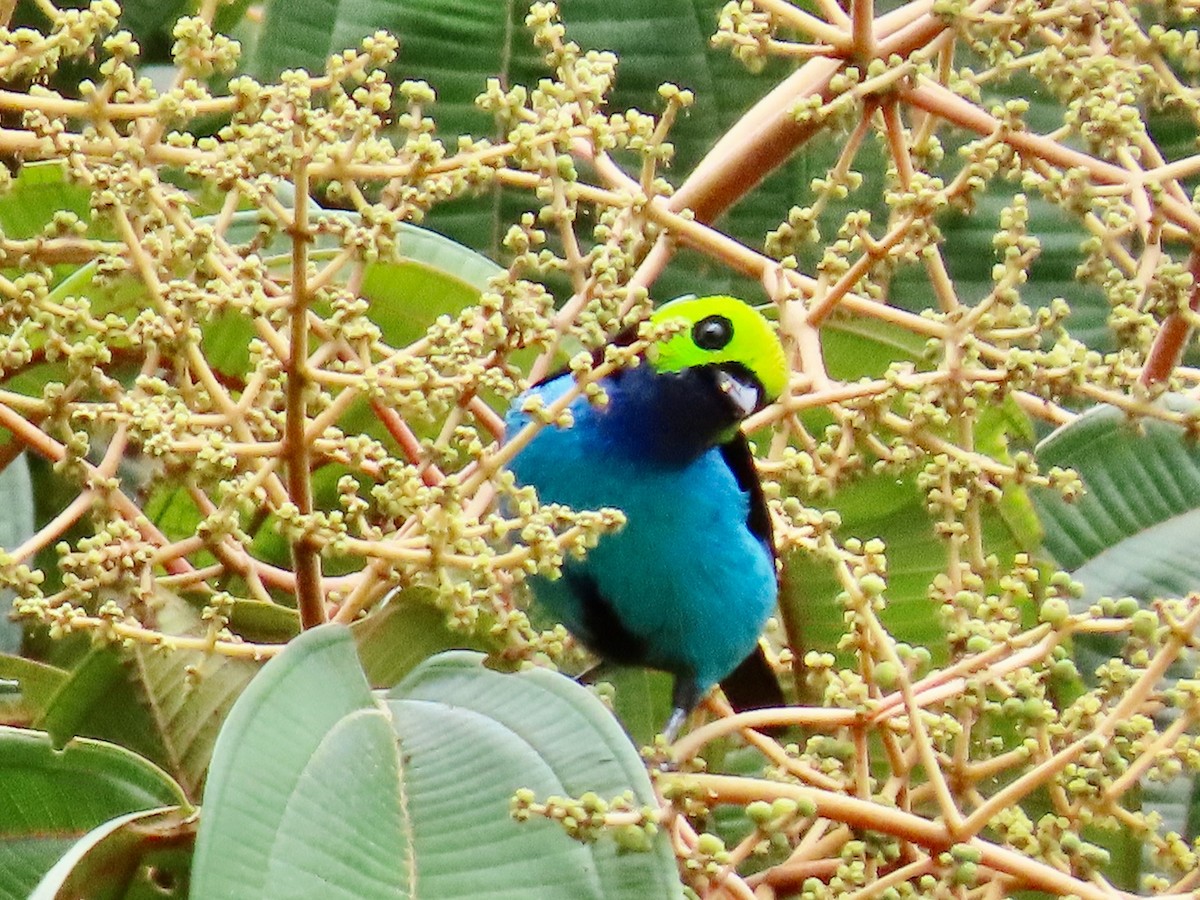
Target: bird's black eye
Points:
(712, 332)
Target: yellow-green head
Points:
(721, 331)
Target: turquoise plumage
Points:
(688, 583)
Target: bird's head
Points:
(730, 339)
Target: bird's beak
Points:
(743, 393)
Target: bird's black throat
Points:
(670, 418)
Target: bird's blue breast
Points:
(686, 576)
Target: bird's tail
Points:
(753, 685)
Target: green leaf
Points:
(98, 700)
(892, 508)
(167, 706)
(305, 777)
(50, 798)
(16, 527)
(36, 683)
(877, 506)
(262, 622)
(151, 23)
(405, 631)
(470, 732)
(188, 694)
(316, 789)
(138, 856)
(39, 191)
(1134, 532)
(856, 348)
(641, 699)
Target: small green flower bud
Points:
(1054, 611)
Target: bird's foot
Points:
(678, 717)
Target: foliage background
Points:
(975, 222)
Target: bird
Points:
(687, 584)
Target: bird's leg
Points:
(684, 697)
(674, 724)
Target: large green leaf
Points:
(1133, 533)
(99, 700)
(641, 699)
(893, 509)
(49, 798)
(188, 694)
(318, 789)
(304, 784)
(472, 737)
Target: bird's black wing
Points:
(603, 631)
(737, 455)
(753, 684)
